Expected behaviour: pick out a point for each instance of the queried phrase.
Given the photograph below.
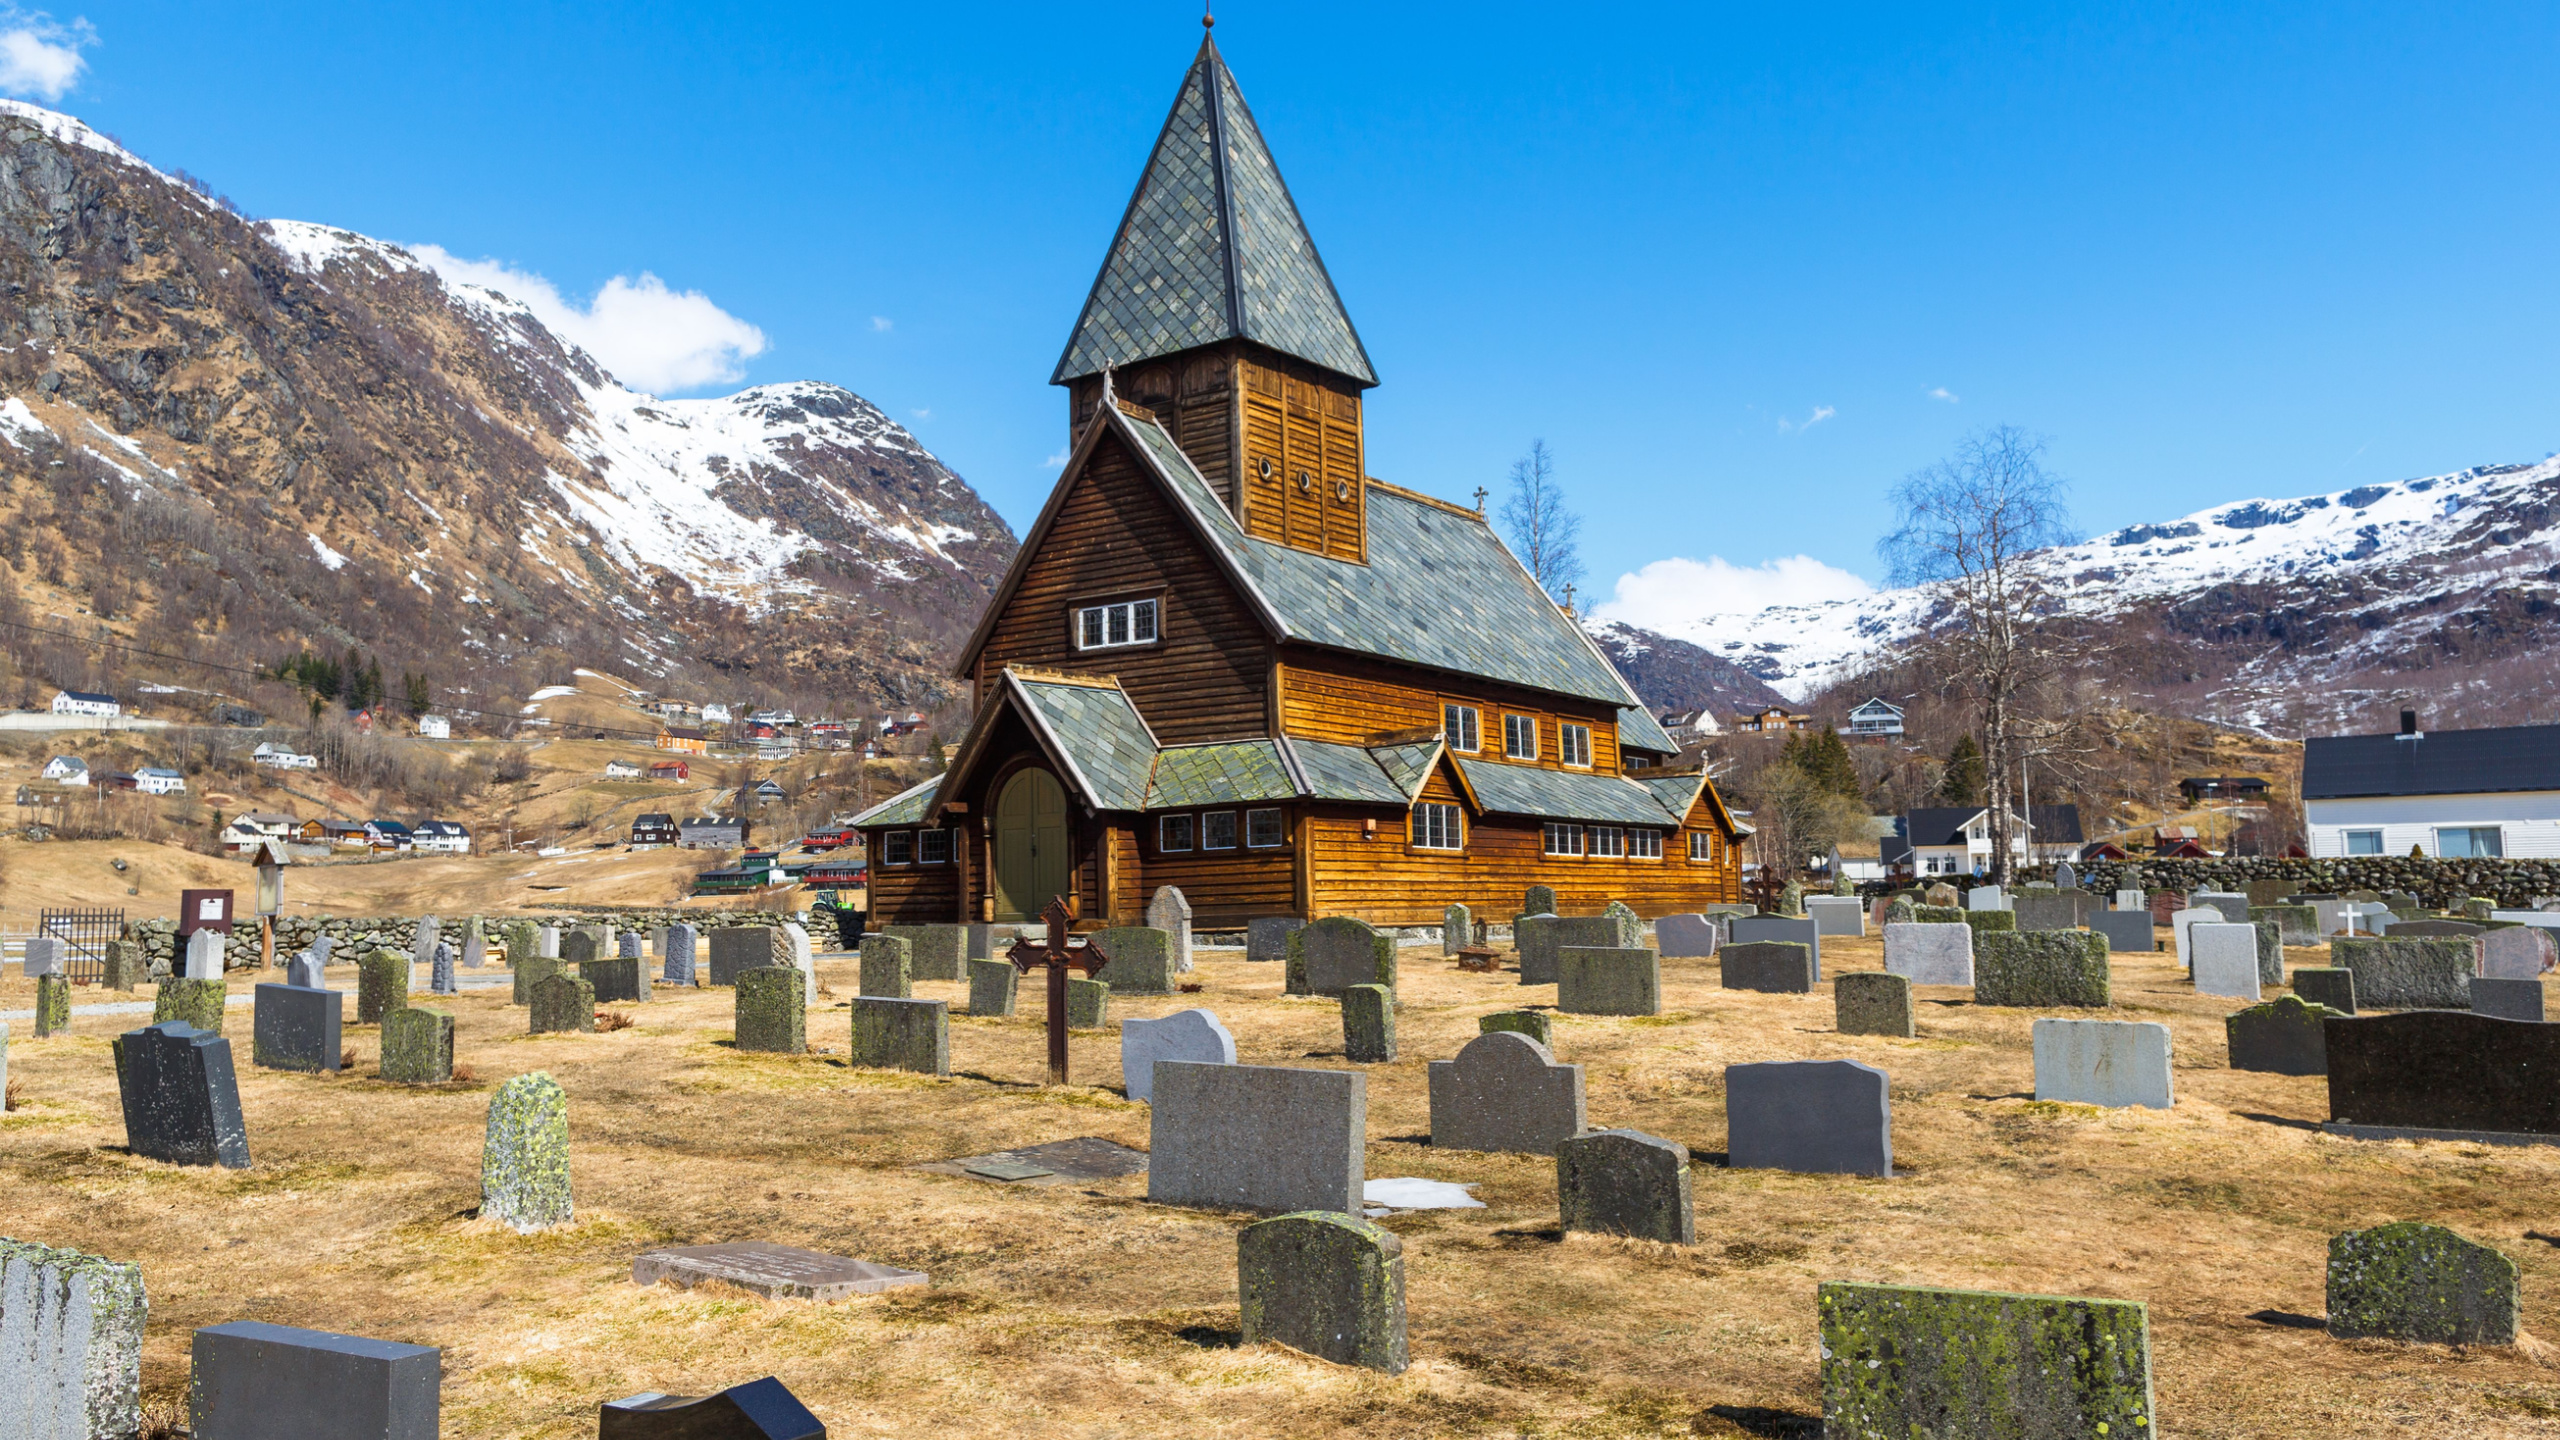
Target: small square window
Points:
(1608, 840)
(2364, 842)
(898, 847)
(1218, 830)
(1173, 833)
(1520, 737)
(1436, 827)
(1458, 723)
(933, 847)
(1262, 829)
(1563, 839)
(1644, 844)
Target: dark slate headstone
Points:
(1871, 1002)
(617, 980)
(2124, 929)
(1686, 937)
(1267, 937)
(2053, 910)
(2412, 1281)
(440, 970)
(2444, 1070)
(1912, 1360)
(758, 1410)
(1782, 967)
(1748, 928)
(2328, 985)
(256, 1381)
(678, 956)
(2283, 1037)
(1337, 952)
(746, 947)
(297, 1028)
(2507, 999)
(1329, 1284)
(181, 1099)
(2065, 878)
(1625, 1182)
(1368, 1024)
(581, 944)
(1824, 1117)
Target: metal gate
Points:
(84, 935)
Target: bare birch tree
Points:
(1971, 527)
(1543, 532)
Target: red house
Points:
(670, 770)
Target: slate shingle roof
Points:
(1227, 773)
(1564, 794)
(2498, 761)
(1211, 248)
(907, 807)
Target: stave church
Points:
(1230, 660)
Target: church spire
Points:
(1212, 248)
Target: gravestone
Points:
(181, 1099)
(2413, 1281)
(885, 972)
(524, 1159)
(582, 944)
(2132, 900)
(1505, 1092)
(2395, 972)
(894, 1034)
(1256, 1137)
(122, 968)
(296, 1027)
(70, 1343)
(992, 986)
(2233, 904)
(1369, 1025)
(2327, 985)
(2124, 929)
(205, 957)
(1538, 1025)
(440, 977)
(2054, 967)
(2065, 878)
(1897, 911)
(1791, 900)
(630, 945)
(1331, 1285)
(776, 1272)
(1630, 924)
(2522, 952)
(1625, 1182)
(1872, 1002)
(2186, 920)
(1914, 1360)
(382, 984)
(44, 955)
(1337, 952)
(2507, 999)
(935, 952)
(2051, 910)
(2110, 1063)
(1833, 915)
(757, 1410)
(523, 940)
(417, 1046)
(1141, 960)
(474, 949)
(2440, 1070)
(1986, 921)
(1942, 894)
(1608, 980)
(200, 1003)
(532, 972)
(303, 971)
(1170, 911)
(1930, 954)
(772, 1013)
(800, 955)
(1457, 927)
(1821, 1117)
(254, 1381)
(982, 940)
(1267, 938)
(1986, 897)
(1776, 966)
(676, 956)
(2282, 1037)
(1538, 900)
(2266, 892)
(1749, 928)
(2432, 929)
(746, 947)
(563, 1004)
(1189, 1035)
(1685, 937)
(546, 942)
(2295, 924)
(618, 980)
(423, 938)
(1088, 1003)
(2226, 959)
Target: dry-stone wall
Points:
(359, 934)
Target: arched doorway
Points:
(1031, 844)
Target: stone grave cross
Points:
(1058, 956)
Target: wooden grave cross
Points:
(1058, 957)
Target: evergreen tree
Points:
(1826, 758)
(1961, 782)
(414, 692)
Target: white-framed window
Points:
(1563, 839)
(1437, 827)
(1173, 832)
(1608, 841)
(2470, 842)
(1218, 830)
(1702, 845)
(1520, 736)
(933, 847)
(898, 847)
(1644, 844)
(2364, 842)
(1637, 762)
(1458, 722)
(1130, 622)
(1574, 743)
(1262, 830)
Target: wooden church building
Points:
(1228, 659)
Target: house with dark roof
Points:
(1956, 840)
(2455, 794)
(2201, 788)
(1228, 659)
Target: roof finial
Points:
(1207, 20)
(1480, 494)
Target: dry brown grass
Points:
(1079, 1310)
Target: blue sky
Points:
(1740, 267)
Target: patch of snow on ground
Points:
(1402, 1193)
(16, 420)
(331, 558)
(70, 131)
(552, 692)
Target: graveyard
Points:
(1068, 1302)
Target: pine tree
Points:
(1961, 783)
(1825, 757)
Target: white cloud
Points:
(1668, 594)
(883, 322)
(1943, 393)
(1057, 459)
(39, 56)
(1820, 414)
(921, 414)
(651, 337)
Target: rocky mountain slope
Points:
(1676, 675)
(234, 439)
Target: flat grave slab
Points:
(1085, 1158)
(777, 1272)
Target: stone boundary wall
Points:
(2514, 884)
(159, 936)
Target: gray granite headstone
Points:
(440, 977)
(297, 1027)
(44, 955)
(1457, 927)
(2124, 929)
(894, 1034)
(1823, 1117)
(423, 938)
(1780, 967)
(1749, 928)
(1539, 900)
(1256, 1137)
(1608, 980)
(2111, 1063)
(744, 947)
(2521, 952)
(886, 968)
(1930, 954)
(204, 955)
(2410, 972)
(475, 945)
(2226, 960)
(1685, 937)
(2132, 900)
(1505, 1091)
(1267, 937)
(1836, 915)
(70, 1344)
(628, 945)
(2507, 999)
(1141, 960)
(1872, 1002)
(254, 1381)
(1338, 952)
(1625, 1182)
(677, 954)
(546, 942)
(181, 1098)
(937, 952)
(1194, 1036)
(303, 971)
(2233, 904)
(2065, 878)
(1540, 939)
(993, 986)
(1368, 1024)
(1170, 911)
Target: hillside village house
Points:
(435, 727)
(712, 832)
(266, 825)
(2456, 794)
(1956, 840)
(715, 714)
(337, 834)
(88, 703)
(281, 757)
(2200, 788)
(388, 836)
(653, 829)
(1876, 717)
(158, 780)
(66, 770)
(684, 742)
(622, 770)
(441, 837)
(670, 770)
(1773, 718)
(1228, 659)
(1690, 727)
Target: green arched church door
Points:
(1031, 844)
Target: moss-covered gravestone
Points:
(124, 968)
(562, 1003)
(1942, 896)
(888, 967)
(1538, 1025)
(1991, 921)
(2040, 968)
(53, 1003)
(1141, 960)
(1540, 900)
(1088, 1003)
(1871, 1002)
(1910, 1360)
(532, 971)
(2330, 985)
(1791, 899)
(1937, 914)
(417, 1046)
(617, 979)
(2395, 972)
(1625, 1182)
(2270, 951)
(382, 984)
(772, 1013)
(895, 1034)
(2411, 1281)
(524, 1163)
(992, 987)
(521, 938)
(198, 1002)
(1369, 1024)
(1337, 952)
(74, 1342)
(1329, 1284)
(1900, 911)
(2281, 1037)
(2297, 924)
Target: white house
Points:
(1957, 840)
(278, 757)
(623, 770)
(84, 702)
(435, 727)
(267, 825)
(156, 780)
(2454, 794)
(1876, 718)
(67, 770)
(441, 837)
(715, 714)
(1688, 727)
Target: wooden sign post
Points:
(1058, 957)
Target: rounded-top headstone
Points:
(1193, 1035)
(524, 1164)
